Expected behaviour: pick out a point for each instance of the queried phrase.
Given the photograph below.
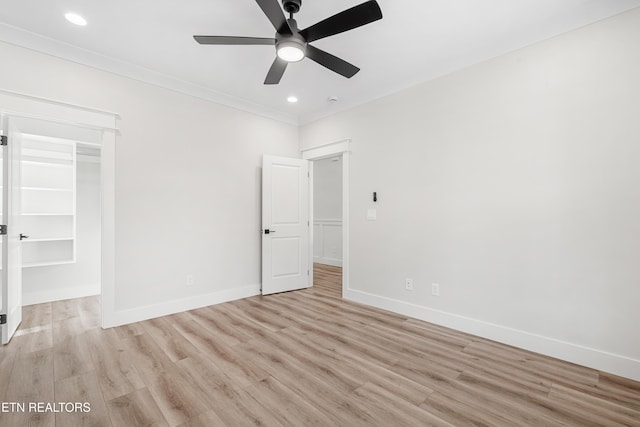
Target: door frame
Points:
(332, 149)
(29, 106)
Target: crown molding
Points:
(36, 42)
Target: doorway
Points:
(56, 135)
(54, 177)
(327, 223)
(330, 218)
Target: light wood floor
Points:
(299, 359)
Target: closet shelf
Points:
(44, 264)
(46, 164)
(66, 190)
(47, 214)
(47, 186)
(47, 239)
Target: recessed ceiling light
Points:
(74, 18)
(292, 99)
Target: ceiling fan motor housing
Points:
(291, 6)
(291, 40)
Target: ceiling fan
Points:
(292, 44)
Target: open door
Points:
(11, 247)
(285, 224)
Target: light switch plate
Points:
(372, 214)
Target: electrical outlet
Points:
(435, 289)
(408, 284)
(189, 279)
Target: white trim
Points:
(31, 106)
(108, 208)
(320, 152)
(64, 104)
(30, 298)
(123, 317)
(326, 150)
(585, 356)
(311, 222)
(327, 221)
(26, 39)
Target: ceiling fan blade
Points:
(272, 9)
(349, 19)
(231, 40)
(331, 62)
(276, 71)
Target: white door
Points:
(11, 246)
(285, 224)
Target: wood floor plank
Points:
(63, 310)
(207, 419)
(35, 340)
(67, 328)
(72, 357)
(89, 311)
(178, 399)
(596, 406)
(349, 364)
(31, 380)
(130, 330)
(285, 405)
(263, 315)
(147, 357)
(137, 408)
(116, 374)
(218, 326)
(201, 370)
(300, 358)
(390, 409)
(36, 315)
(172, 343)
(82, 389)
(235, 407)
(243, 371)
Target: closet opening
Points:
(56, 208)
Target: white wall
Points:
(327, 211)
(82, 278)
(514, 185)
(187, 183)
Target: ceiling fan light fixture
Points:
(290, 51)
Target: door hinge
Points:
(3, 319)
(307, 272)
(3, 230)
(4, 140)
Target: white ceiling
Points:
(417, 40)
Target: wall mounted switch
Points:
(435, 289)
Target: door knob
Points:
(22, 236)
(267, 231)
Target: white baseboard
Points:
(328, 261)
(585, 356)
(30, 298)
(123, 317)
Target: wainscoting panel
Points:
(327, 241)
